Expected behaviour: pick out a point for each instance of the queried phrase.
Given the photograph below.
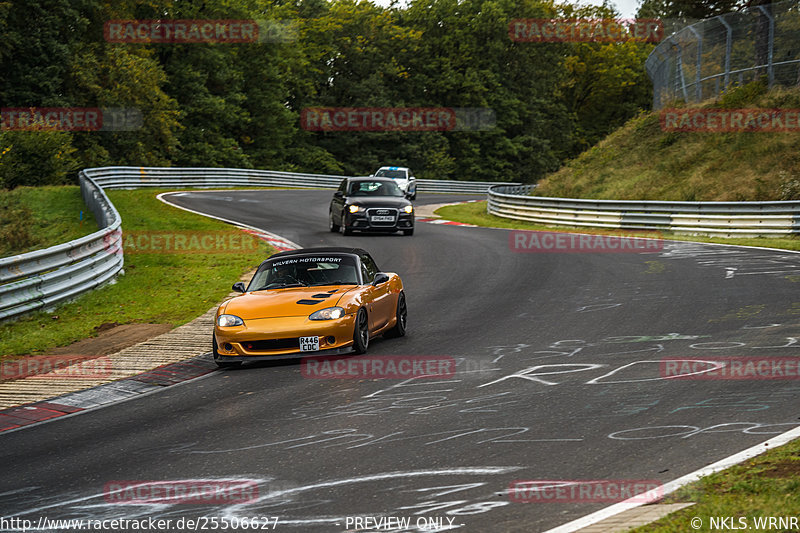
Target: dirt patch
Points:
(783, 470)
(111, 338)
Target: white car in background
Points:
(403, 177)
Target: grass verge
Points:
(643, 161)
(38, 217)
(765, 486)
(158, 287)
(475, 213)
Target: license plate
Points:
(309, 344)
(383, 218)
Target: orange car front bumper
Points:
(278, 338)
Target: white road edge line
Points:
(675, 484)
(239, 224)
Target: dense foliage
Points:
(239, 105)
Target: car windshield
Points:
(305, 271)
(394, 174)
(375, 188)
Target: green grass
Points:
(475, 213)
(640, 161)
(764, 486)
(38, 217)
(156, 287)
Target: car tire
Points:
(345, 230)
(222, 364)
(399, 330)
(408, 232)
(331, 224)
(361, 332)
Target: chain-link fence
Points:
(703, 59)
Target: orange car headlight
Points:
(226, 321)
(329, 313)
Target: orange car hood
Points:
(284, 302)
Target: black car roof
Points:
(321, 250)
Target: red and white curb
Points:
(102, 395)
(443, 222)
(276, 241)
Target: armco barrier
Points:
(46, 277)
(43, 278)
(136, 177)
(716, 219)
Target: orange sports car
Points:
(314, 301)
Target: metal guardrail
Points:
(44, 278)
(135, 177)
(716, 219)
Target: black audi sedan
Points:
(370, 204)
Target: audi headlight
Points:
(355, 208)
(408, 208)
(329, 313)
(226, 321)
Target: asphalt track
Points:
(559, 379)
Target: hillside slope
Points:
(640, 161)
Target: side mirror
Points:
(408, 195)
(338, 194)
(239, 286)
(380, 277)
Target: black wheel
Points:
(345, 229)
(361, 332)
(399, 329)
(408, 231)
(222, 364)
(331, 224)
